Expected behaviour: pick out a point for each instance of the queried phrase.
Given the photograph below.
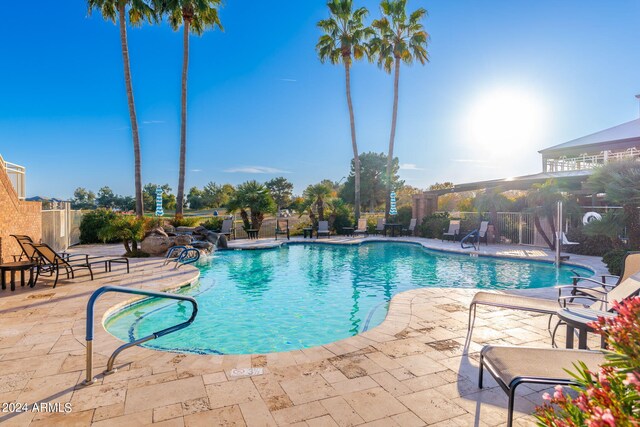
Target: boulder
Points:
(185, 230)
(219, 240)
(182, 240)
(168, 228)
(157, 231)
(156, 244)
(205, 246)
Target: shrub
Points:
(596, 245)
(127, 229)
(92, 222)
(471, 222)
(213, 223)
(610, 397)
(340, 216)
(433, 225)
(404, 216)
(613, 259)
(190, 221)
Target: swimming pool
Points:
(303, 295)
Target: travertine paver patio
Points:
(410, 371)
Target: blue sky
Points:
(505, 80)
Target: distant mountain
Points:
(44, 199)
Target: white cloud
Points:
(255, 169)
(410, 167)
(152, 122)
(289, 80)
(196, 170)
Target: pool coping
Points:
(393, 323)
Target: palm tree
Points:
(344, 40)
(399, 38)
(317, 194)
(195, 16)
(139, 11)
(255, 198)
(621, 183)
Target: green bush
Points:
(127, 229)
(613, 260)
(469, 223)
(433, 225)
(213, 224)
(188, 221)
(404, 216)
(92, 222)
(341, 217)
(596, 245)
(296, 229)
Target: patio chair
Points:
(454, 230)
(513, 366)
(323, 229)
(51, 262)
(380, 226)
(412, 227)
(28, 252)
(362, 227)
(630, 266)
(482, 232)
(282, 227)
(228, 229)
(599, 301)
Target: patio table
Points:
(579, 318)
(307, 231)
(393, 227)
(12, 267)
(252, 233)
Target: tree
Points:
(106, 198)
(149, 194)
(344, 40)
(139, 11)
(441, 185)
(254, 197)
(400, 37)
(620, 181)
(492, 201)
(195, 16)
(316, 195)
(281, 191)
(195, 198)
(216, 195)
(543, 200)
(83, 199)
(127, 229)
(404, 195)
(373, 184)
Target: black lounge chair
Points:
(412, 227)
(380, 227)
(513, 366)
(453, 232)
(28, 253)
(228, 229)
(51, 262)
(282, 227)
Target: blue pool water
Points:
(300, 296)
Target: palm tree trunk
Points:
(536, 222)
(633, 226)
(392, 137)
(354, 144)
(183, 120)
(132, 110)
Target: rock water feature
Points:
(160, 239)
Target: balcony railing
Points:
(589, 161)
(16, 174)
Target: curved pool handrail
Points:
(187, 256)
(475, 244)
(168, 258)
(90, 324)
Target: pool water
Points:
(300, 296)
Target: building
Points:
(570, 163)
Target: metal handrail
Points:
(90, 325)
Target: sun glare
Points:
(504, 121)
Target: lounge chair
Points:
(51, 262)
(380, 227)
(28, 252)
(630, 266)
(282, 227)
(482, 232)
(412, 227)
(513, 366)
(323, 229)
(362, 227)
(599, 301)
(454, 230)
(228, 229)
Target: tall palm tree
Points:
(139, 11)
(343, 41)
(195, 16)
(316, 195)
(400, 37)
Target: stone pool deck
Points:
(412, 370)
